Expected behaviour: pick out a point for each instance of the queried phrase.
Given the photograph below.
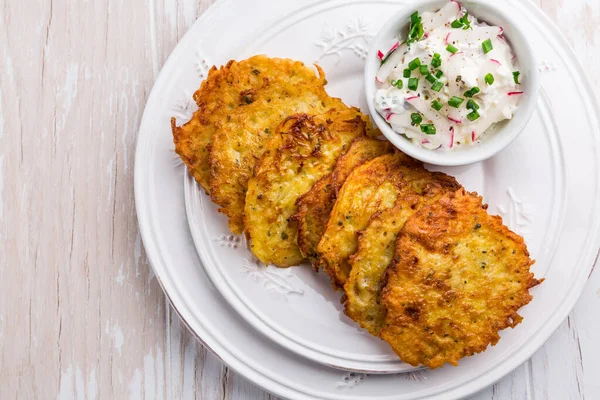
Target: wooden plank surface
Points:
(81, 315)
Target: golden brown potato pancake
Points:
(243, 133)
(224, 90)
(458, 276)
(376, 247)
(303, 149)
(372, 187)
(314, 207)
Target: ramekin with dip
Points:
(448, 81)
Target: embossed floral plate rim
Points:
(166, 239)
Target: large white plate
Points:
(545, 185)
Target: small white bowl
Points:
(493, 141)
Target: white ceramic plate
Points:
(545, 185)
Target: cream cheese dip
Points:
(449, 81)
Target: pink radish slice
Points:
(412, 98)
(458, 52)
(394, 47)
(446, 38)
(389, 116)
(473, 136)
(514, 93)
(495, 61)
(449, 11)
(380, 54)
(425, 141)
(394, 59)
(456, 121)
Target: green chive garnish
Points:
(455, 101)
(439, 74)
(487, 46)
(472, 92)
(436, 62)
(416, 118)
(437, 86)
(473, 115)
(451, 49)
(406, 73)
(415, 31)
(428, 129)
(472, 105)
(456, 24)
(516, 77)
(423, 69)
(489, 79)
(414, 64)
(465, 21)
(436, 105)
(399, 84)
(430, 78)
(413, 83)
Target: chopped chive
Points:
(516, 77)
(428, 129)
(436, 62)
(472, 92)
(457, 23)
(472, 105)
(414, 18)
(398, 83)
(413, 83)
(455, 101)
(439, 74)
(423, 69)
(436, 105)
(489, 79)
(437, 55)
(415, 31)
(473, 115)
(465, 21)
(406, 73)
(487, 46)
(430, 78)
(414, 64)
(416, 118)
(437, 86)
(451, 49)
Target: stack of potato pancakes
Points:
(421, 262)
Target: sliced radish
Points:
(449, 11)
(455, 54)
(441, 123)
(455, 120)
(473, 136)
(477, 34)
(514, 93)
(394, 47)
(446, 38)
(380, 54)
(394, 59)
(495, 61)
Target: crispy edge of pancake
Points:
(241, 141)
(314, 207)
(458, 277)
(375, 248)
(303, 149)
(371, 187)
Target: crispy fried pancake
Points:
(314, 207)
(303, 149)
(371, 187)
(457, 278)
(224, 90)
(376, 247)
(242, 136)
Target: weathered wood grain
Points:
(74, 78)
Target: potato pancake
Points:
(372, 187)
(224, 90)
(303, 149)
(243, 134)
(314, 207)
(458, 276)
(376, 245)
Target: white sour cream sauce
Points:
(462, 71)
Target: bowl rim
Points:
(508, 133)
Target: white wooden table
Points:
(81, 315)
